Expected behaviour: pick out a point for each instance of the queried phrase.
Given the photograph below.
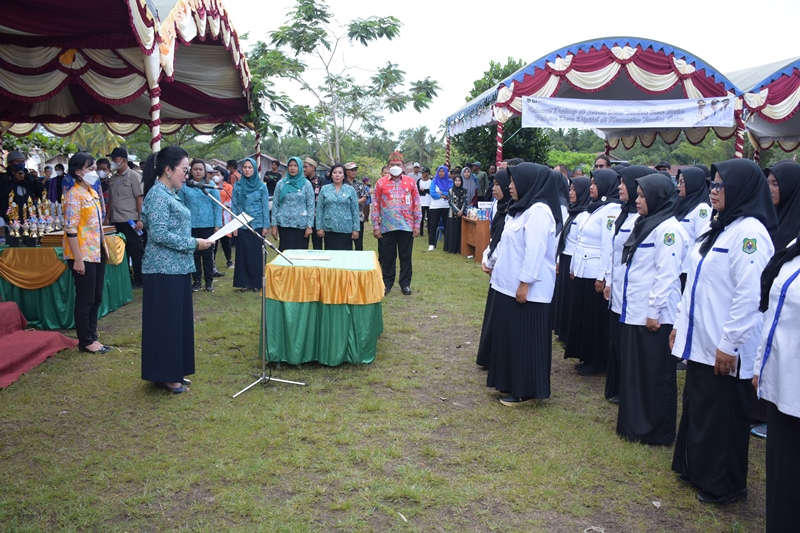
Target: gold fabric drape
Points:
(34, 268)
(286, 283)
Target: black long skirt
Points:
(521, 354)
(562, 298)
(293, 239)
(588, 328)
(783, 471)
(648, 391)
(249, 268)
(167, 327)
(614, 347)
(714, 433)
(452, 236)
(338, 241)
(485, 345)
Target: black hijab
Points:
(746, 195)
(581, 185)
(788, 175)
(535, 183)
(563, 187)
(499, 221)
(772, 270)
(607, 182)
(662, 199)
(696, 191)
(628, 176)
(704, 169)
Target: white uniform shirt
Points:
(527, 253)
(440, 203)
(779, 370)
(652, 283)
(593, 251)
(422, 185)
(719, 308)
(695, 224)
(616, 277)
(571, 242)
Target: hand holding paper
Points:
(231, 226)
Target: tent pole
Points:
(757, 154)
(499, 155)
(258, 152)
(447, 152)
(155, 118)
(738, 147)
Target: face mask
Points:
(102, 174)
(19, 166)
(217, 179)
(59, 172)
(91, 177)
(114, 166)
(395, 171)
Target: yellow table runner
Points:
(345, 278)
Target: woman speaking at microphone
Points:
(167, 318)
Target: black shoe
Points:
(584, 371)
(707, 497)
(406, 290)
(683, 478)
(175, 390)
(514, 401)
(387, 290)
(229, 264)
(614, 399)
(196, 286)
(578, 366)
(209, 288)
(218, 274)
(681, 365)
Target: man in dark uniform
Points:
(17, 180)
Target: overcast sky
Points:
(453, 44)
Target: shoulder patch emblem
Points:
(749, 246)
(704, 213)
(669, 239)
(610, 223)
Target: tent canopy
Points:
(614, 68)
(122, 62)
(772, 98)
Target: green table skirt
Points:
(327, 334)
(53, 307)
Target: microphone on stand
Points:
(200, 185)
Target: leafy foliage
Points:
(46, 143)
(345, 106)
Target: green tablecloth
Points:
(53, 307)
(331, 334)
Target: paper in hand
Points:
(231, 226)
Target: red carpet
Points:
(21, 351)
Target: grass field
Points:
(413, 442)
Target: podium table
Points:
(475, 236)
(38, 280)
(324, 308)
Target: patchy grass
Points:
(413, 442)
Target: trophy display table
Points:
(324, 308)
(38, 280)
(474, 237)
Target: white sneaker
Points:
(431, 248)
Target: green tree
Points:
(344, 105)
(418, 144)
(96, 139)
(531, 144)
(37, 141)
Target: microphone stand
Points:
(264, 377)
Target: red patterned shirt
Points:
(396, 206)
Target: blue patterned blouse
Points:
(297, 208)
(170, 245)
(255, 204)
(206, 213)
(338, 212)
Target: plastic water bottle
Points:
(132, 224)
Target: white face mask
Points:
(114, 166)
(395, 171)
(91, 177)
(217, 179)
(102, 174)
(59, 172)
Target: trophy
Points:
(25, 225)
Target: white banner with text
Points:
(631, 114)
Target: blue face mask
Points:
(19, 166)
